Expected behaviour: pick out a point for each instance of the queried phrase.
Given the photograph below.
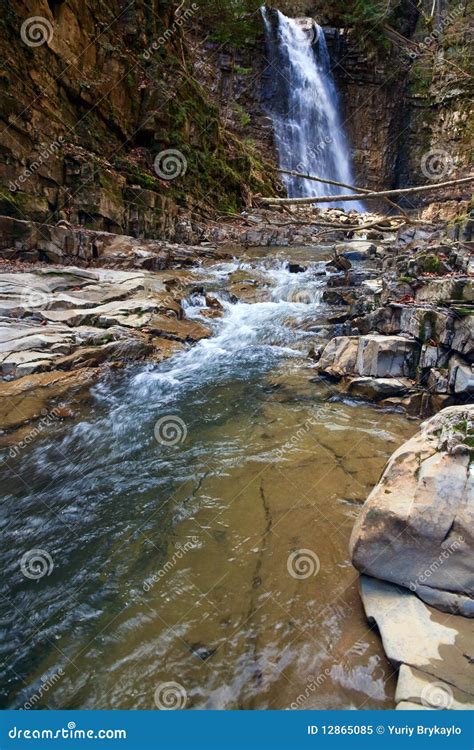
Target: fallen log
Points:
(364, 196)
(292, 173)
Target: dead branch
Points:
(365, 196)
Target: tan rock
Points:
(416, 527)
(417, 635)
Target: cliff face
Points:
(90, 94)
(94, 93)
(406, 90)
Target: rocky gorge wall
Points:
(101, 90)
(90, 96)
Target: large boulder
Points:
(417, 526)
(370, 356)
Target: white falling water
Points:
(305, 111)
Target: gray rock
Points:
(461, 376)
(417, 526)
(377, 388)
(372, 355)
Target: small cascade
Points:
(308, 129)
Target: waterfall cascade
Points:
(305, 111)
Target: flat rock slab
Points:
(419, 636)
(427, 691)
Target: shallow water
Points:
(210, 550)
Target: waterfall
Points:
(305, 110)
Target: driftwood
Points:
(365, 196)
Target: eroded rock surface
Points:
(55, 322)
(433, 650)
(416, 527)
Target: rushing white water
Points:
(309, 133)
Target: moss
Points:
(430, 263)
(427, 327)
(242, 71)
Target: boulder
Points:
(357, 250)
(461, 376)
(445, 289)
(416, 528)
(372, 355)
(377, 388)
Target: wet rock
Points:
(426, 691)
(416, 527)
(296, 268)
(357, 250)
(417, 635)
(419, 404)
(31, 398)
(371, 355)
(437, 380)
(377, 388)
(340, 263)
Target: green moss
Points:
(429, 263)
(427, 327)
(242, 71)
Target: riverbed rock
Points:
(372, 355)
(426, 691)
(378, 388)
(416, 527)
(461, 376)
(357, 250)
(414, 634)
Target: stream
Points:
(196, 521)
